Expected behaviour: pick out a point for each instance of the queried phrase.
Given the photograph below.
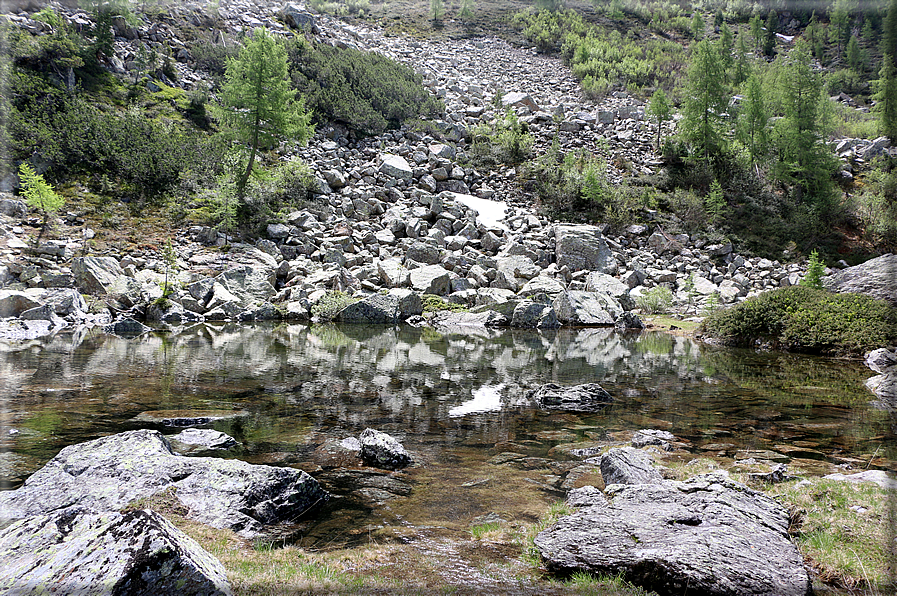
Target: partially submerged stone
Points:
(382, 450)
(589, 397)
(75, 551)
(111, 472)
(205, 438)
(707, 535)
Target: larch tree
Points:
(258, 106)
(706, 100)
(886, 98)
(660, 110)
(753, 117)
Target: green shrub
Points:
(506, 140)
(805, 319)
(657, 300)
(331, 304)
(366, 90)
(434, 303)
(38, 194)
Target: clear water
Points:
(458, 401)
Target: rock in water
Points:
(74, 551)
(108, 473)
(707, 535)
(589, 397)
(382, 450)
(625, 465)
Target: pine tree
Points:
(726, 45)
(889, 31)
(886, 99)
(258, 106)
(839, 22)
(660, 109)
(706, 100)
(757, 31)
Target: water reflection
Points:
(442, 392)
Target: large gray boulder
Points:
(108, 473)
(383, 450)
(447, 320)
(708, 535)
(589, 397)
(65, 302)
(395, 166)
(529, 314)
(296, 16)
(876, 277)
(251, 285)
(390, 308)
(13, 303)
(432, 279)
(625, 465)
(75, 551)
(578, 307)
(96, 275)
(603, 283)
(583, 247)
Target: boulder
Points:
(485, 318)
(542, 284)
(625, 465)
(295, 16)
(577, 307)
(65, 302)
(389, 308)
(708, 535)
(392, 273)
(876, 278)
(882, 360)
(517, 99)
(395, 166)
(110, 472)
(248, 284)
(96, 275)
(603, 283)
(534, 315)
(76, 551)
(879, 477)
(126, 328)
(590, 397)
(13, 303)
(382, 450)
(583, 247)
(651, 436)
(432, 279)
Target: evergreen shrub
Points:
(805, 319)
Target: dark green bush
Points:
(365, 90)
(804, 319)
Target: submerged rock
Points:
(111, 472)
(382, 450)
(589, 397)
(74, 551)
(205, 438)
(707, 535)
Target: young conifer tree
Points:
(258, 105)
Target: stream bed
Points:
(458, 400)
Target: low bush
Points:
(434, 303)
(366, 90)
(657, 300)
(505, 141)
(805, 319)
(331, 304)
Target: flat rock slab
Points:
(109, 473)
(707, 535)
(879, 477)
(625, 465)
(74, 551)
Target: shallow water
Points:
(458, 401)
